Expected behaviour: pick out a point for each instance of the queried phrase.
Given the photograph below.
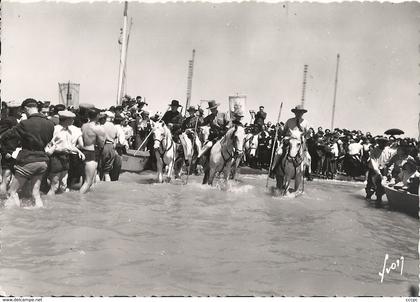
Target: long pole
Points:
(335, 92)
(123, 55)
(189, 82)
(194, 138)
(68, 94)
(145, 140)
(305, 72)
(274, 144)
(124, 89)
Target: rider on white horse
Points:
(293, 126)
(189, 137)
(173, 118)
(218, 122)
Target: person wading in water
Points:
(93, 141)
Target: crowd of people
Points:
(51, 149)
(376, 159)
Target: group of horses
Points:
(225, 156)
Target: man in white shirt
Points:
(295, 126)
(61, 146)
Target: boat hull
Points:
(402, 201)
(135, 162)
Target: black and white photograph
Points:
(209, 149)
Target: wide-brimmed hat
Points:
(175, 103)
(299, 108)
(212, 104)
(238, 112)
(66, 114)
(192, 108)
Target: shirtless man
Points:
(93, 141)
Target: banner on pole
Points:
(69, 94)
(237, 102)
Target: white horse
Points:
(165, 150)
(250, 145)
(225, 154)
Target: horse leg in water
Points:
(159, 166)
(211, 175)
(299, 179)
(171, 161)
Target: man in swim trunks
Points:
(93, 142)
(34, 134)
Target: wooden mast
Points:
(335, 92)
(189, 84)
(123, 55)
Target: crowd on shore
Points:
(51, 148)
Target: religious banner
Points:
(237, 103)
(69, 94)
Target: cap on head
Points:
(66, 114)
(29, 103)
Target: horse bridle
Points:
(161, 146)
(297, 159)
(225, 161)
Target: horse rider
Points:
(189, 128)
(173, 119)
(293, 126)
(218, 122)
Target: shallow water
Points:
(137, 238)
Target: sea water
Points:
(136, 237)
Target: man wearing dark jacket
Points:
(260, 117)
(34, 134)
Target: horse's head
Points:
(295, 147)
(238, 138)
(158, 133)
(205, 132)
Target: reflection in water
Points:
(138, 238)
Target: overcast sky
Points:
(254, 49)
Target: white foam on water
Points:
(240, 188)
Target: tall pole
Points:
(123, 55)
(335, 92)
(305, 72)
(124, 89)
(274, 144)
(190, 75)
(68, 94)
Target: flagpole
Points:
(123, 55)
(189, 82)
(335, 92)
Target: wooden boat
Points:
(402, 201)
(135, 163)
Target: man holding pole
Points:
(294, 125)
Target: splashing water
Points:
(135, 237)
